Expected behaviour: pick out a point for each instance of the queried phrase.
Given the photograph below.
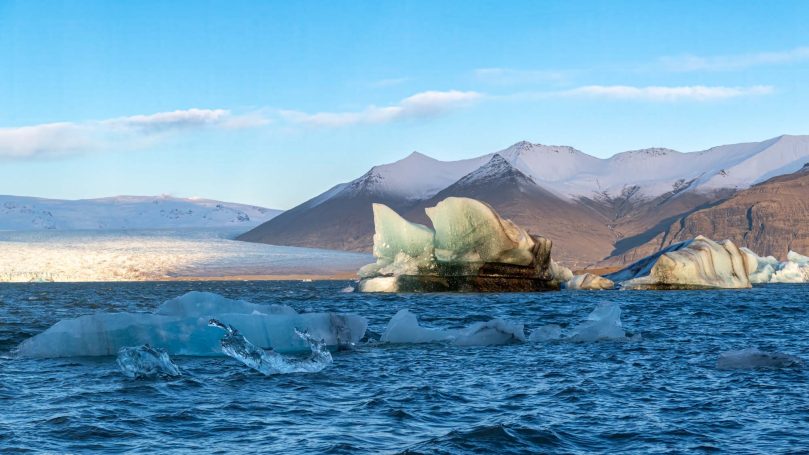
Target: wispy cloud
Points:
(510, 76)
(662, 93)
(687, 63)
(418, 106)
(66, 138)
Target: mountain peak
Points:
(496, 169)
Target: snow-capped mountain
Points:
(21, 213)
(626, 194)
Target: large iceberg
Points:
(404, 328)
(699, 263)
(472, 249)
(769, 270)
(180, 327)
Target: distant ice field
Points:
(145, 255)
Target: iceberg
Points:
(753, 358)
(270, 362)
(603, 323)
(769, 270)
(589, 282)
(699, 263)
(180, 327)
(547, 332)
(472, 249)
(404, 328)
(145, 361)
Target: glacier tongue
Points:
(145, 361)
(185, 330)
(269, 362)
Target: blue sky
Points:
(274, 102)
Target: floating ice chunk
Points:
(379, 284)
(347, 290)
(270, 362)
(768, 270)
(589, 282)
(603, 323)
(753, 358)
(103, 334)
(404, 327)
(547, 332)
(693, 264)
(204, 304)
(467, 230)
(146, 361)
(560, 272)
(491, 333)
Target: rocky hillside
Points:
(770, 218)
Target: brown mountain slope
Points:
(770, 218)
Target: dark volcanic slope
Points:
(770, 218)
(343, 222)
(580, 234)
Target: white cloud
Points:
(420, 105)
(660, 93)
(65, 138)
(734, 62)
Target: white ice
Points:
(145, 361)
(769, 270)
(404, 328)
(753, 358)
(182, 329)
(589, 282)
(547, 332)
(69, 256)
(467, 230)
(603, 323)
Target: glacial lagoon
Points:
(680, 373)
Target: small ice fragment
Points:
(270, 362)
(404, 328)
(603, 323)
(145, 361)
(546, 333)
(753, 358)
(347, 289)
(491, 333)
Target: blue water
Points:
(662, 394)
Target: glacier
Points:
(269, 362)
(472, 249)
(145, 361)
(769, 270)
(404, 328)
(754, 358)
(180, 327)
(699, 263)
